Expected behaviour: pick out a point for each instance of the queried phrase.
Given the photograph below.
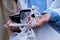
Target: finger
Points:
(16, 28)
(29, 18)
(29, 22)
(46, 17)
(8, 22)
(10, 28)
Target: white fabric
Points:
(22, 4)
(13, 35)
(46, 32)
(55, 4)
(57, 10)
(27, 35)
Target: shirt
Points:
(41, 4)
(55, 17)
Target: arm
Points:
(48, 15)
(54, 16)
(40, 20)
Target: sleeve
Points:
(19, 5)
(54, 16)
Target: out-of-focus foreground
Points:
(7, 7)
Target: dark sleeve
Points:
(54, 16)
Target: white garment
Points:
(46, 32)
(55, 4)
(13, 35)
(22, 4)
(29, 34)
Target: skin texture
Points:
(44, 18)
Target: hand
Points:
(40, 20)
(46, 16)
(29, 19)
(14, 29)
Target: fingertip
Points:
(8, 22)
(29, 18)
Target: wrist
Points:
(46, 16)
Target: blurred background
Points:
(7, 7)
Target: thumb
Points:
(9, 22)
(29, 18)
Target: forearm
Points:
(54, 15)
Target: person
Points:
(46, 16)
